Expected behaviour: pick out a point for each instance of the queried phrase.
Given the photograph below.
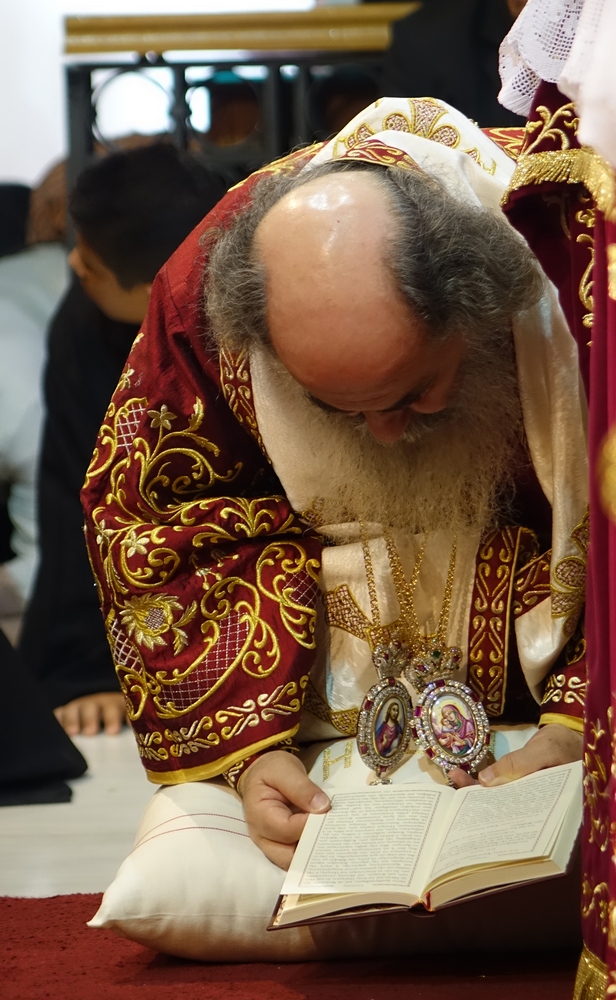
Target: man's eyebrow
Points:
(407, 400)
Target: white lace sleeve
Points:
(536, 48)
(589, 77)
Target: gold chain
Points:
(405, 591)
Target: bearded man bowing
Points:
(379, 407)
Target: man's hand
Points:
(553, 744)
(278, 795)
(89, 714)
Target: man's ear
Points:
(148, 288)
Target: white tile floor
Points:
(77, 846)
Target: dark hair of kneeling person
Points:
(130, 210)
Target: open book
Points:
(430, 844)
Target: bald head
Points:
(334, 313)
(368, 283)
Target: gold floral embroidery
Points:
(562, 164)
(426, 116)
(237, 390)
(586, 216)
(560, 126)
(566, 689)
(596, 778)
(150, 616)
(595, 902)
(569, 580)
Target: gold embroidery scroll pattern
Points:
(559, 126)
(488, 633)
(288, 164)
(566, 689)
(116, 434)
(378, 152)
(240, 518)
(234, 637)
(509, 139)
(532, 584)
(149, 746)
(562, 164)
(296, 598)
(569, 580)
(587, 218)
(595, 903)
(237, 390)
(225, 724)
(596, 779)
(129, 667)
(344, 721)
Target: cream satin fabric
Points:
(477, 171)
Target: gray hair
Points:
(459, 267)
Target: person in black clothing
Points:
(130, 210)
(449, 50)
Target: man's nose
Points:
(388, 427)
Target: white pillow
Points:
(196, 886)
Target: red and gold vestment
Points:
(211, 582)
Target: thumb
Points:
(513, 765)
(299, 790)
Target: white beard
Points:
(451, 471)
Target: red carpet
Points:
(49, 954)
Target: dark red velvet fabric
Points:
(48, 953)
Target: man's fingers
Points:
(114, 713)
(90, 714)
(279, 854)
(460, 778)
(278, 824)
(552, 745)
(68, 717)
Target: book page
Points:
(508, 822)
(370, 840)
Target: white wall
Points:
(32, 101)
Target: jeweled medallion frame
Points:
(450, 724)
(384, 726)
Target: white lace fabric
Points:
(571, 43)
(536, 48)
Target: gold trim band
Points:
(216, 768)
(570, 721)
(591, 979)
(568, 166)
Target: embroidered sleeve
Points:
(237, 771)
(207, 577)
(565, 689)
(565, 686)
